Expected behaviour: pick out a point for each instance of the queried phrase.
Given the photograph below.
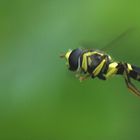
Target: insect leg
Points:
(82, 78)
(128, 82)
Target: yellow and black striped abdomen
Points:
(119, 67)
(134, 72)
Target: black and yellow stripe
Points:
(94, 63)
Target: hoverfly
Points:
(96, 63)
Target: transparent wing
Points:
(88, 45)
(93, 45)
(119, 37)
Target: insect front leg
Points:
(128, 82)
(81, 75)
(84, 77)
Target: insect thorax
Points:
(91, 60)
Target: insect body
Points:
(94, 63)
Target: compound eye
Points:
(73, 59)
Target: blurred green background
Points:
(39, 98)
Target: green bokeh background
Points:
(39, 98)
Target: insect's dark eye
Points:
(73, 59)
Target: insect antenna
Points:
(62, 55)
